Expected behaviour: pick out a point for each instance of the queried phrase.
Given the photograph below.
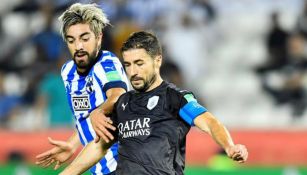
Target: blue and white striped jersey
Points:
(85, 93)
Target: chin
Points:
(82, 65)
(138, 88)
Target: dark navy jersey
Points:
(152, 128)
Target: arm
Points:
(112, 96)
(74, 141)
(114, 84)
(100, 122)
(209, 124)
(60, 153)
(88, 157)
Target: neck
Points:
(156, 83)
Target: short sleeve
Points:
(189, 107)
(110, 73)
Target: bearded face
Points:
(140, 68)
(83, 45)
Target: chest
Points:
(84, 94)
(148, 117)
(143, 111)
(153, 106)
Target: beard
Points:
(146, 83)
(87, 63)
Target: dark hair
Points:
(143, 40)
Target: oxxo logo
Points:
(81, 103)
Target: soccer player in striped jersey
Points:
(93, 79)
(153, 120)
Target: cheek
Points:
(146, 73)
(127, 70)
(71, 49)
(91, 46)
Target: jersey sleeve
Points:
(189, 108)
(111, 74)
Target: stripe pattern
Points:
(86, 93)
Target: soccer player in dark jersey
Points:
(153, 120)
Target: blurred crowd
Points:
(32, 95)
(287, 60)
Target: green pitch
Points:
(12, 169)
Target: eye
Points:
(139, 64)
(70, 41)
(85, 39)
(126, 65)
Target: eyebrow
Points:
(138, 60)
(83, 34)
(135, 61)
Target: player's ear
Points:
(99, 37)
(158, 60)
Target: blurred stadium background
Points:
(245, 60)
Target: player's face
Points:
(141, 69)
(83, 45)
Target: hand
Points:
(101, 124)
(237, 153)
(60, 153)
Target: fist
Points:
(237, 153)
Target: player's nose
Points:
(79, 45)
(133, 71)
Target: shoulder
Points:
(107, 59)
(178, 97)
(124, 97)
(128, 94)
(108, 56)
(172, 89)
(68, 68)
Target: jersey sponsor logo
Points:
(81, 103)
(134, 128)
(152, 102)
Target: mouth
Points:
(81, 56)
(136, 79)
(137, 82)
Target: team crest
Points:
(89, 84)
(152, 102)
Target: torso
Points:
(150, 133)
(86, 93)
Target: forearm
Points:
(88, 157)
(208, 123)
(107, 106)
(74, 141)
(113, 95)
